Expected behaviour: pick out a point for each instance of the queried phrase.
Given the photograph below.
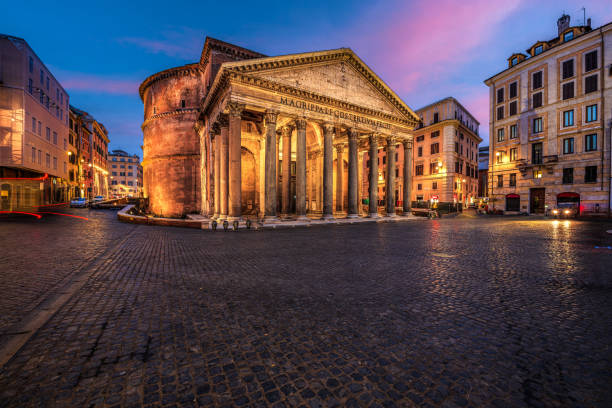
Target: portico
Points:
(282, 138)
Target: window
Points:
(65, 144)
(54, 163)
(568, 90)
(30, 85)
(42, 77)
(591, 113)
(538, 50)
(513, 132)
(39, 157)
(500, 156)
(568, 145)
(500, 95)
(456, 147)
(435, 148)
(436, 117)
(512, 108)
(537, 125)
(500, 180)
(500, 113)
(537, 80)
(419, 187)
(48, 160)
(536, 153)
(568, 176)
(54, 137)
(590, 84)
(537, 100)
(39, 128)
(31, 64)
(48, 133)
(418, 170)
(513, 90)
(590, 143)
(512, 182)
(433, 168)
(420, 138)
(130, 183)
(568, 118)
(182, 103)
(33, 155)
(513, 154)
(568, 36)
(114, 173)
(47, 83)
(435, 134)
(122, 173)
(65, 168)
(33, 124)
(456, 167)
(514, 61)
(420, 151)
(500, 135)
(590, 174)
(590, 61)
(132, 174)
(567, 69)
(434, 185)
(537, 174)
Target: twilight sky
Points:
(424, 50)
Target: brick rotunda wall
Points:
(171, 148)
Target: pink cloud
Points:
(424, 43)
(99, 84)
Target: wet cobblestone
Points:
(453, 313)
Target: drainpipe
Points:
(603, 126)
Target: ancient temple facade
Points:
(240, 134)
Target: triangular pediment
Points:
(338, 74)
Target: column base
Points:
(352, 216)
(214, 217)
(391, 215)
(373, 215)
(222, 217)
(406, 212)
(302, 218)
(327, 217)
(271, 219)
(232, 219)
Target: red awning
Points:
(513, 196)
(568, 195)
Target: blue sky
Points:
(425, 51)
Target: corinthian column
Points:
(286, 172)
(390, 182)
(339, 177)
(215, 131)
(373, 176)
(407, 176)
(300, 182)
(271, 158)
(235, 181)
(353, 178)
(328, 174)
(223, 165)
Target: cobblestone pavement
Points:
(500, 312)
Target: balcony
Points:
(551, 159)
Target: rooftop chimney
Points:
(563, 23)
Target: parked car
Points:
(565, 210)
(79, 202)
(97, 199)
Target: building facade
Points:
(125, 174)
(241, 134)
(445, 154)
(483, 171)
(33, 130)
(550, 124)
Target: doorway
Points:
(537, 200)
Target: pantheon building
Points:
(240, 134)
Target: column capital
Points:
(215, 129)
(286, 130)
(352, 133)
(407, 144)
(300, 123)
(235, 108)
(392, 140)
(328, 127)
(339, 147)
(223, 120)
(270, 117)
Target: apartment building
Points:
(550, 123)
(445, 154)
(125, 174)
(33, 130)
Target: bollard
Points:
(236, 225)
(214, 225)
(248, 223)
(225, 225)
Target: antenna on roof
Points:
(583, 16)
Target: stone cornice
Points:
(176, 71)
(167, 114)
(238, 53)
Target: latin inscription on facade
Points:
(331, 112)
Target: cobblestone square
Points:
(503, 312)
